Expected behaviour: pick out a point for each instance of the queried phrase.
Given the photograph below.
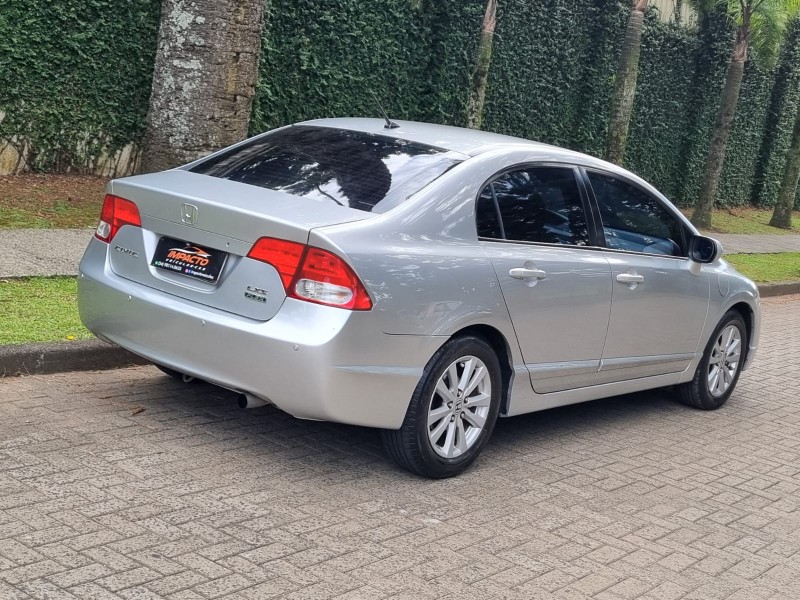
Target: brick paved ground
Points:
(635, 497)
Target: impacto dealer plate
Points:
(191, 260)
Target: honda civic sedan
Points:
(416, 278)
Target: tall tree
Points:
(625, 83)
(762, 24)
(480, 76)
(782, 213)
(204, 79)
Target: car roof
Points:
(472, 142)
(457, 139)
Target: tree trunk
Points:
(782, 214)
(480, 76)
(204, 79)
(625, 84)
(678, 12)
(701, 216)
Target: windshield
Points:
(352, 168)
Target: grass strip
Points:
(39, 309)
(767, 268)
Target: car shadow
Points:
(181, 414)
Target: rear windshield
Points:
(351, 168)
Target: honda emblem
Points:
(188, 213)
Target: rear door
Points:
(660, 298)
(534, 226)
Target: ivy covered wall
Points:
(75, 78)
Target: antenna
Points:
(389, 123)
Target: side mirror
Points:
(704, 249)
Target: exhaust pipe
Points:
(248, 401)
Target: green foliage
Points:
(326, 59)
(75, 76)
(749, 125)
(76, 80)
(780, 121)
(711, 59)
(546, 78)
(661, 127)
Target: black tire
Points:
(176, 374)
(410, 446)
(697, 392)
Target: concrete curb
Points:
(96, 355)
(57, 357)
(784, 288)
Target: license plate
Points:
(188, 259)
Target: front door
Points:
(533, 226)
(660, 297)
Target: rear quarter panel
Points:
(422, 263)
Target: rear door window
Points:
(537, 204)
(351, 168)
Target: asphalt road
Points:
(190, 498)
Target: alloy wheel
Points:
(724, 361)
(459, 407)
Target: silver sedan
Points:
(420, 279)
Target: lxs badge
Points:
(256, 294)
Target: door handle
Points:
(524, 273)
(630, 278)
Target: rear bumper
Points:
(312, 361)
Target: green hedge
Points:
(74, 79)
(780, 122)
(661, 123)
(326, 58)
(547, 81)
(75, 76)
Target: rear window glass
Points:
(350, 168)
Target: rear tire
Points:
(719, 370)
(452, 412)
(176, 374)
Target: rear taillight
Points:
(283, 255)
(116, 212)
(313, 274)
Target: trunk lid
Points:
(217, 218)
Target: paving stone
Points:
(631, 497)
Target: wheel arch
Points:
(500, 345)
(747, 313)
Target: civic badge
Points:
(188, 213)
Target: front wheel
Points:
(452, 412)
(722, 362)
